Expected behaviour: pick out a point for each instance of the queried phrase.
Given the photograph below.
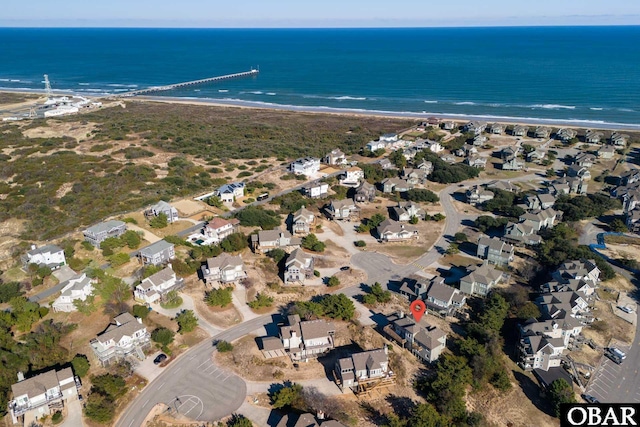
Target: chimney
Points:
(33, 247)
(139, 320)
(386, 349)
(401, 314)
(169, 265)
(320, 415)
(20, 376)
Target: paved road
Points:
(206, 392)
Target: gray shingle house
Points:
(495, 251)
(365, 192)
(165, 208)
(344, 209)
(223, 269)
(426, 342)
(157, 253)
(51, 256)
(363, 367)
(393, 231)
(407, 210)
(96, 234)
(298, 267)
(307, 339)
(266, 240)
(302, 220)
(480, 280)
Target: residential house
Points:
(606, 152)
(435, 147)
(540, 219)
(393, 231)
(42, 394)
(540, 352)
(316, 190)
(448, 158)
(426, 342)
(477, 195)
(566, 134)
(407, 210)
(519, 130)
(302, 220)
(496, 129)
(351, 177)
(566, 328)
(344, 209)
(568, 185)
(413, 287)
(390, 185)
(495, 251)
(385, 164)
(502, 185)
(389, 137)
(593, 136)
(579, 286)
(376, 145)
(307, 339)
(476, 161)
(581, 172)
(560, 304)
(127, 335)
(633, 220)
(584, 160)
(480, 280)
(218, 229)
(78, 288)
(157, 253)
(335, 157)
(542, 132)
(365, 192)
(479, 140)
(298, 267)
(474, 126)
(156, 287)
(96, 234)
(448, 125)
(586, 270)
(521, 233)
(630, 200)
(539, 201)
(51, 256)
(230, 192)
(266, 240)
(307, 420)
(513, 164)
(223, 269)
(425, 166)
(305, 166)
(630, 177)
(536, 156)
(411, 152)
(414, 176)
(618, 139)
(165, 208)
(361, 368)
(443, 298)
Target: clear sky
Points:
(324, 13)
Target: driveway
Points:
(148, 369)
(147, 235)
(74, 413)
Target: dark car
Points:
(160, 358)
(590, 399)
(345, 268)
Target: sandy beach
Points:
(234, 103)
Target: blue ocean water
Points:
(570, 73)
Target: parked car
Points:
(626, 309)
(160, 358)
(590, 399)
(345, 268)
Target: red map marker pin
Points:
(418, 308)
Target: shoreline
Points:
(354, 112)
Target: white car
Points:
(626, 309)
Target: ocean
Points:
(589, 74)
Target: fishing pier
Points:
(250, 73)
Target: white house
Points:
(127, 335)
(335, 157)
(362, 367)
(165, 208)
(317, 190)
(305, 166)
(376, 145)
(219, 229)
(224, 269)
(230, 192)
(389, 137)
(156, 286)
(435, 147)
(78, 287)
(51, 256)
(352, 176)
(392, 231)
(41, 393)
(298, 267)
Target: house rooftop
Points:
(104, 226)
(45, 249)
(154, 248)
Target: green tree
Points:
(162, 336)
(112, 386)
(494, 312)
(257, 216)
(119, 259)
(560, 391)
(312, 243)
(44, 271)
(276, 255)
(234, 242)
(215, 202)
(360, 243)
(187, 321)
(9, 290)
(528, 310)
(333, 281)
(375, 220)
(460, 237)
(619, 226)
(221, 297)
(338, 306)
(131, 239)
(224, 346)
(426, 415)
(80, 365)
(380, 294)
(140, 311)
(398, 159)
(289, 396)
(452, 249)
(500, 380)
(262, 300)
(159, 221)
(238, 420)
(422, 195)
(172, 300)
(99, 408)
(447, 388)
